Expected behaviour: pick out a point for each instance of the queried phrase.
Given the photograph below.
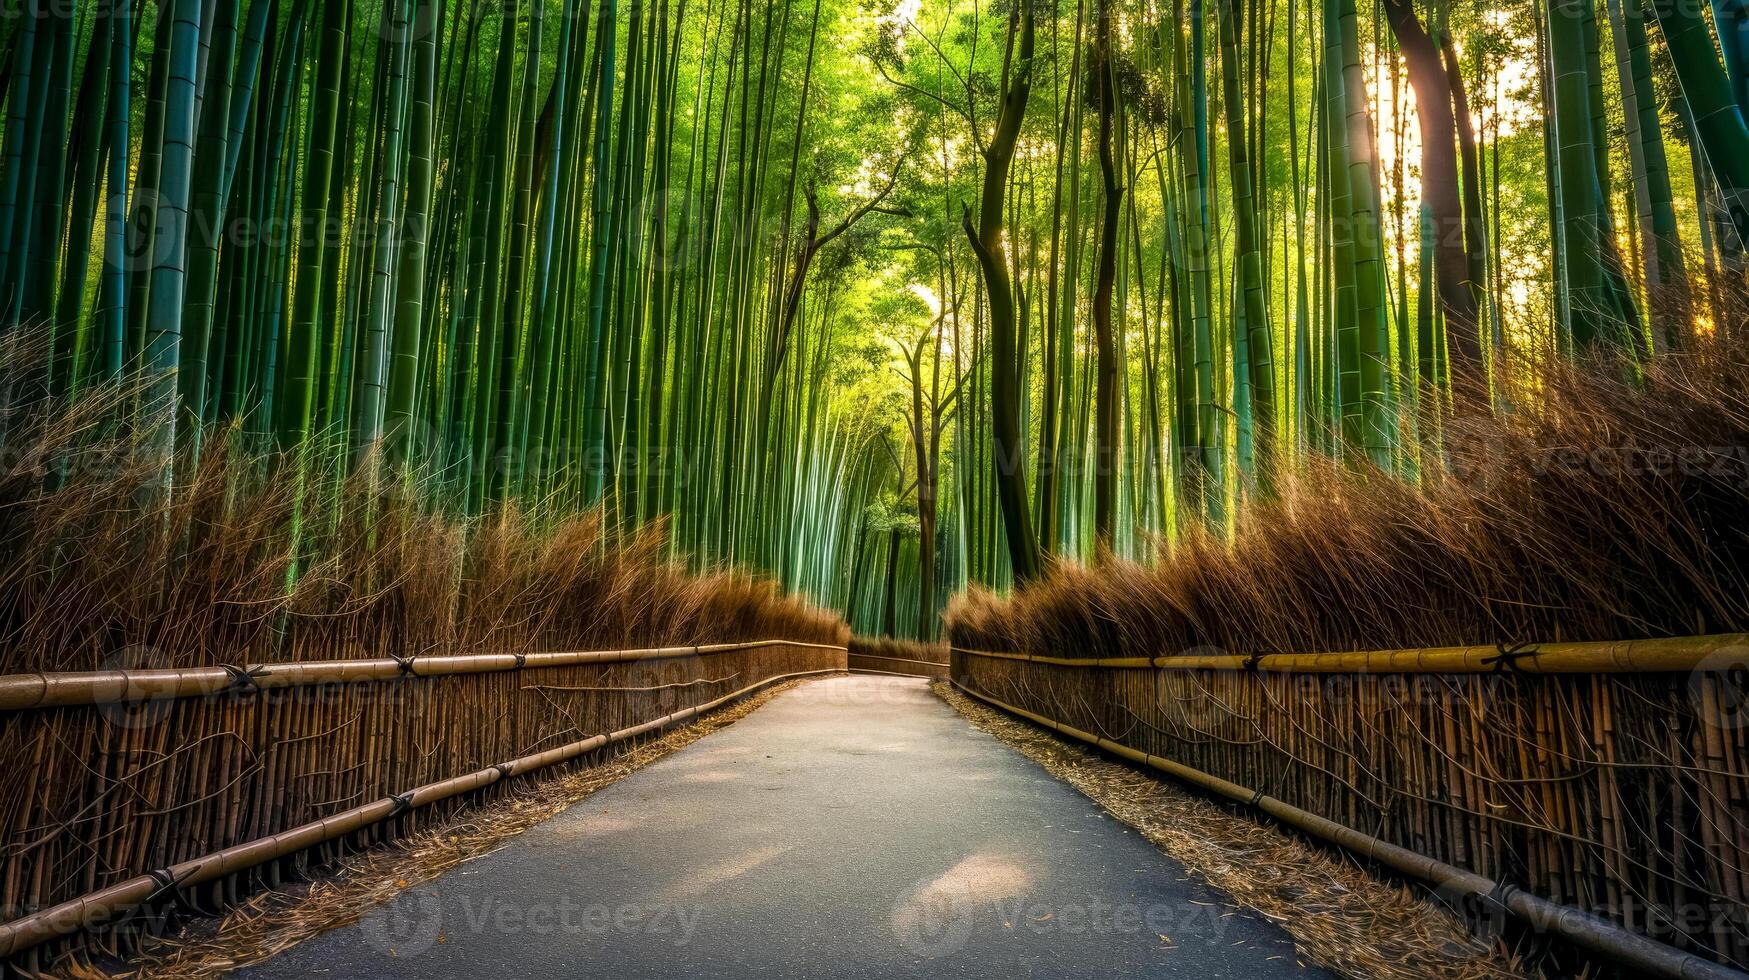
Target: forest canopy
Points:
(882, 298)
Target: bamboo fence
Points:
(868, 663)
(131, 788)
(903, 657)
(1609, 777)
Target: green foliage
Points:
(706, 263)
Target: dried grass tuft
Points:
(1600, 506)
(102, 566)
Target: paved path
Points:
(854, 827)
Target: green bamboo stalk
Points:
(371, 384)
(1712, 101)
(1366, 361)
(1592, 314)
(1253, 321)
(320, 179)
(169, 235)
(73, 334)
(207, 216)
(410, 285)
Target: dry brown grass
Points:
(100, 567)
(1599, 507)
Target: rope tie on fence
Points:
(1508, 658)
(243, 678)
(504, 770)
(403, 803)
(1254, 662)
(521, 661)
(405, 663)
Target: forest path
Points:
(853, 827)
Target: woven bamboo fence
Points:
(1610, 778)
(118, 779)
(904, 657)
(898, 665)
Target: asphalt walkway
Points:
(854, 827)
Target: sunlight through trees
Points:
(882, 298)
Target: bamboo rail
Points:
(1653, 656)
(1607, 778)
(1646, 956)
(99, 908)
(21, 692)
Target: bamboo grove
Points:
(882, 298)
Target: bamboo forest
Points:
(864, 294)
(1136, 369)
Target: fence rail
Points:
(1662, 655)
(128, 785)
(1610, 777)
(897, 665)
(19, 692)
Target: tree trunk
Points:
(1105, 426)
(987, 243)
(1439, 188)
(1469, 156)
